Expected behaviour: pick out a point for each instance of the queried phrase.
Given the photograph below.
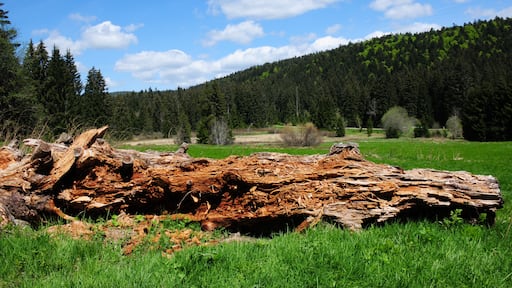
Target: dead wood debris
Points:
(260, 193)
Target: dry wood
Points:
(257, 193)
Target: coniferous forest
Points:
(464, 71)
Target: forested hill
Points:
(462, 70)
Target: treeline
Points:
(43, 94)
(463, 70)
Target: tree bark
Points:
(259, 193)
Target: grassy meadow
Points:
(414, 254)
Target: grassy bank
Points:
(414, 254)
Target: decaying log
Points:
(257, 193)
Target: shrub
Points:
(396, 122)
(220, 134)
(211, 130)
(340, 126)
(306, 135)
(369, 127)
(421, 130)
(454, 126)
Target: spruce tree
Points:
(9, 65)
(59, 95)
(95, 104)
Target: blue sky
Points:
(179, 43)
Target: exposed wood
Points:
(257, 193)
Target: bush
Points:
(220, 134)
(211, 130)
(369, 127)
(340, 126)
(454, 126)
(421, 131)
(397, 122)
(306, 135)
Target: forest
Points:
(464, 71)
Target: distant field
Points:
(414, 254)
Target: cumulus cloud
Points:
(175, 67)
(401, 9)
(147, 64)
(64, 43)
(241, 33)
(266, 9)
(107, 35)
(101, 36)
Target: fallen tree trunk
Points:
(257, 193)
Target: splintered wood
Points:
(259, 193)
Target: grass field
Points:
(414, 254)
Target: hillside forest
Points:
(463, 71)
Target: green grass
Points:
(219, 152)
(414, 254)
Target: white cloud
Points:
(333, 29)
(132, 27)
(479, 13)
(413, 10)
(418, 27)
(401, 9)
(107, 35)
(382, 5)
(504, 13)
(62, 43)
(266, 9)
(148, 64)
(375, 34)
(81, 18)
(110, 83)
(101, 36)
(242, 33)
(175, 67)
(327, 43)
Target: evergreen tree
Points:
(72, 75)
(35, 66)
(95, 105)
(340, 126)
(9, 64)
(6, 31)
(15, 113)
(59, 95)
